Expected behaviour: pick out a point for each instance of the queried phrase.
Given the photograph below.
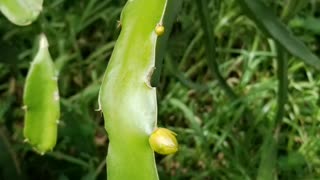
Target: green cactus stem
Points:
(21, 12)
(41, 101)
(127, 99)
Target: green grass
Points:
(218, 140)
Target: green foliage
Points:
(217, 140)
(268, 22)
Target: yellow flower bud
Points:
(159, 29)
(163, 141)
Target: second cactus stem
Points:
(127, 99)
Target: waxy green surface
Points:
(126, 97)
(21, 12)
(41, 101)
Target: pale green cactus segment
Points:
(21, 12)
(126, 97)
(41, 101)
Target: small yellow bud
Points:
(159, 29)
(163, 141)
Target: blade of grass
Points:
(203, 10)
(282, 74)
(268, 160)
(9, 163)
(291, 8)
(70, 159)
(171, 64)
(267, 167)
(210, 47)
(267, 21)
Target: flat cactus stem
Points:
(21, 12)
(126, 97)
(41, 101)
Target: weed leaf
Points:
(262, 15)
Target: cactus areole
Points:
(126, 97)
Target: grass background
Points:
(218, 140)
